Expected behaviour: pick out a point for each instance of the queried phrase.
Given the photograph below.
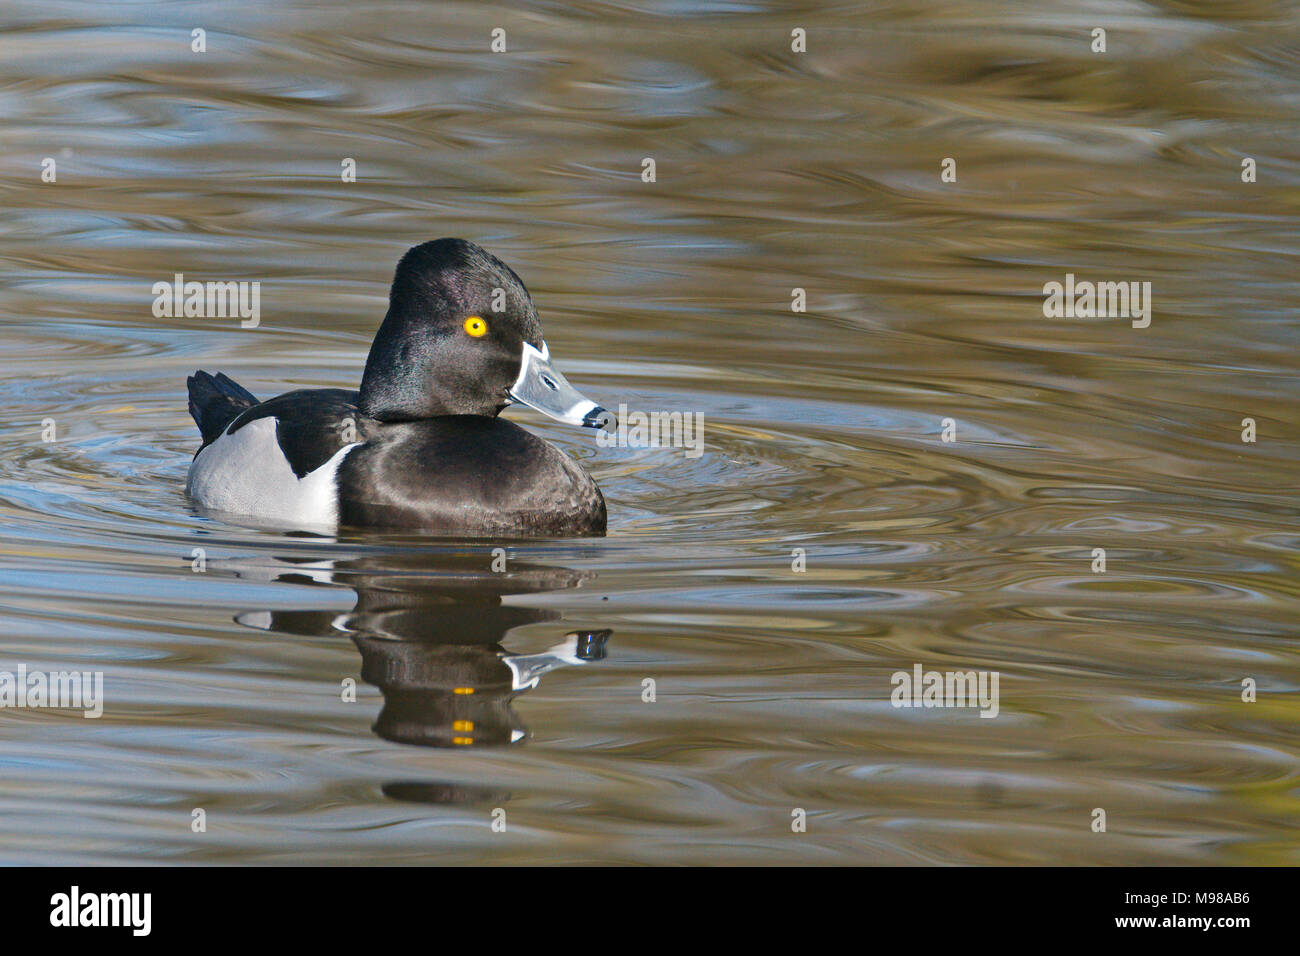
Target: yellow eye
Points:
(475, 326)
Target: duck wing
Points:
(311, 425)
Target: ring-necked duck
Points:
(420, 446)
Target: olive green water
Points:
(1119, 690)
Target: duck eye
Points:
(475, 326)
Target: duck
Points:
(420, 446)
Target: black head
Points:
(462, 338)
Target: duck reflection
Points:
(431, 634)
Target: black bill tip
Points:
(591, 644)
(600, 418)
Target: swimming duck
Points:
(420, 446)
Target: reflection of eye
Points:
(475, 326)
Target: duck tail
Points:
(216, 401)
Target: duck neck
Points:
(396, 382)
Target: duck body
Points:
(419, 447)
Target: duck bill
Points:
(541, 387)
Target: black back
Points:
(312, 424)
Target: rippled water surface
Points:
(775, 170)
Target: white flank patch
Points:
(246, 473)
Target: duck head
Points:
(462, 337)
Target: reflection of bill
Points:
(430, 630)
(460, 695)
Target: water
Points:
(1118, 690)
